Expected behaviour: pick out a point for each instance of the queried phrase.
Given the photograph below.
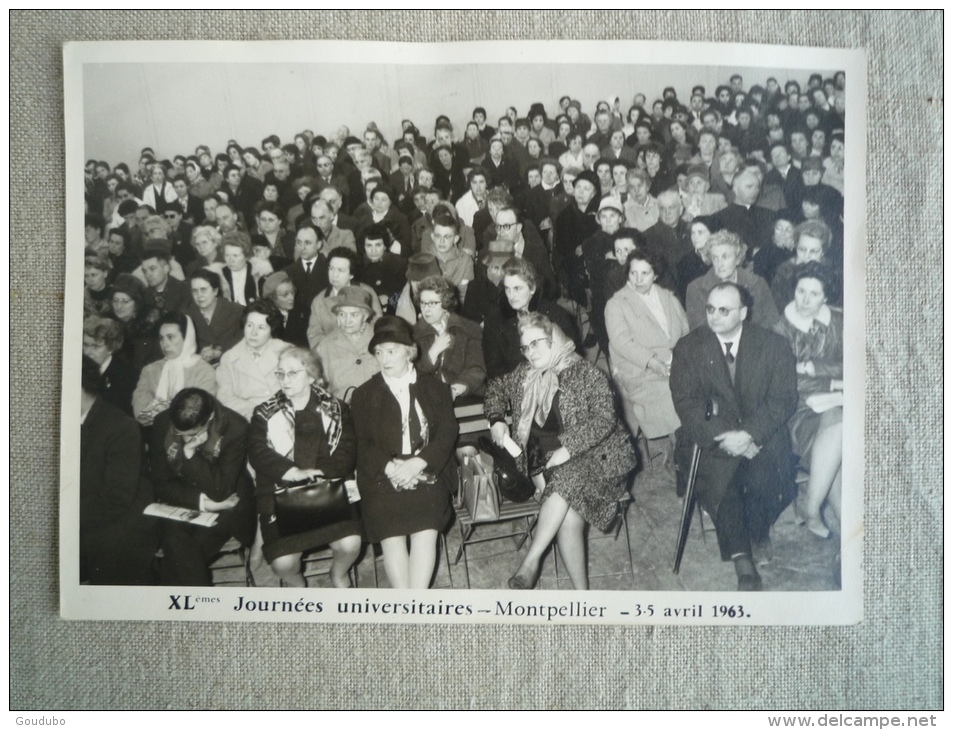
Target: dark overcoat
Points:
(760, 401)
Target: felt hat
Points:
(610, 202)
(697, 171)
(391, 329)
(590, 177)
(273, 282)
(352, 296)
(422, 265)
(160, 244)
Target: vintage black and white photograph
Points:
(393, 332)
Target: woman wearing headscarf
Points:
(181, 367)
(572, 442)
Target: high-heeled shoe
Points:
(814, 524)
(519, 582)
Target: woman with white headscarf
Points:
(180, 368)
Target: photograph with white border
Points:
(478, 311)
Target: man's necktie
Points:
(307, 272)
(730, 358)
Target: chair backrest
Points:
(471, 419)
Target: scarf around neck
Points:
(281, 420)
(541, 384)
(172, 378)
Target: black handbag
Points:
(513, 484)
(300, 507)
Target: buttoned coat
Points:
(635, 338)
(243, 381)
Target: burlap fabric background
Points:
(892, 660)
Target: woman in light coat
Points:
(644, 321)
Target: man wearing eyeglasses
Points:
(527, 244)
(734, 387)
(180, 237)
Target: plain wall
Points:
(173, 107)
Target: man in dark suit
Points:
(734, 387)
(754, 224)
(786, 176)
(670, 237)
(332, 196)
(164, 292)
(328, 177)
(198, 458)
(539, 197)
(527, 244)
(242, 193)
(189, 206)
(116, 541)
(309, 273)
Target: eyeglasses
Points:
(504, 226)
(282, 375)
(429, 304)
(723, 311)
(170, 216)
(533, 344)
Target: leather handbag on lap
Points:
(312, 505)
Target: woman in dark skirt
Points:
(406, 432)
(302, 432)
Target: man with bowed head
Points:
(734, 387)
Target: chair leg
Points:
(249, 576)
(446, 556)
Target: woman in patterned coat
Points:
(573, 444)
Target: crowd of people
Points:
(274, 314)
